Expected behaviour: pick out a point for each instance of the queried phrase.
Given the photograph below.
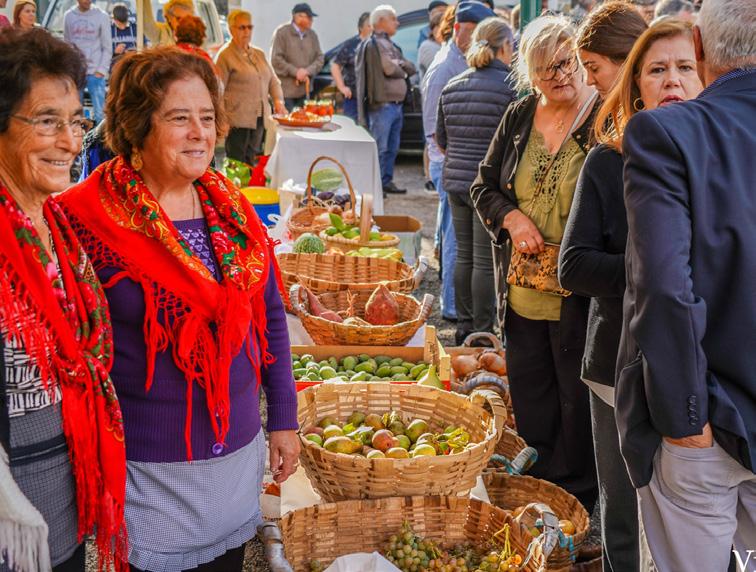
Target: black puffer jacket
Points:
(469, 112)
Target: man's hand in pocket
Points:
(702, 441)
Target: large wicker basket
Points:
(413, 314)
(303, 219)
(326, 531)
(336, 476)
(323, 273)
(512, 491)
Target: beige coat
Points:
(250, 86)
(158, 33)
(291, 52)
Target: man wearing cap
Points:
(436, 6)
(449, 62)
(296, 56)
(382, 83)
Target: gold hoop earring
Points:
(136, 160)
(638, 104)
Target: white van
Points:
(336, 21)
(205, 9)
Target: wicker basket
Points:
(345, 245)
(325, 532)
(510, 492)
(341, 477)
(323, 273)
(413, 314)
(303, 220)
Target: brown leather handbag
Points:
(539, 271)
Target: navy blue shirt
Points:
(345, 59)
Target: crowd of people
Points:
(595, 181)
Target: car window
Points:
(406, 38)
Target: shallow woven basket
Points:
(413, 314)
(326, 531)
(509, 445)
(512, 491)
(336, 476)
(303, 220)
(345, 245)
(323, 273)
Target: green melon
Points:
(309, 243)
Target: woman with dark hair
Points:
(660, 69)
(62, 456)
(604, 39)
(470, 109)
(198, 320)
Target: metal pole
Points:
(140, 7)
(529, 11)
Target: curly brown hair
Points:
(191, 30)
(138, 86)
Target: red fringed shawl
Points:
(62, 320)
(206, 322)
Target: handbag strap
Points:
(578, 120)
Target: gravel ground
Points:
(423, 206)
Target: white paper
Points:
(363, 562)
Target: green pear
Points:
(415, 429)
(430, 378)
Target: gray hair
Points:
(381, 12)
(728, 33)
(672, 8)
(237, 14)
(540, 42)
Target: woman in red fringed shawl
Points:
(198, 322)
(62, 454)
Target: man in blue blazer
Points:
(686, 385)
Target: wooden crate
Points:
(431, 352)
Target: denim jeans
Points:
(386, 127)
(96, 89)
(447, 242)
(350, 108)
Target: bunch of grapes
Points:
(499, 562)
(411, 553)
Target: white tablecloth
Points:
(343, 140)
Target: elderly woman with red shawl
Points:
(198, 320)
(62, 455)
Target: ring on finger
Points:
(523, 244)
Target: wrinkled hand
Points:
(302, 75)
(346, 92)
(120, 48)
(521, 229)
(284, 454)
(702, 441)
(279, 107)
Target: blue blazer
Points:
(688, 349)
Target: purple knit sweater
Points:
(154, 420)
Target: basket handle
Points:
(296, 293)
(495, 403)
(366, 218)
(421, 267)
(486, 335)
(485, 378)
(308, 193)
(425, 307)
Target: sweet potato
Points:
(317, 309)
(382, 308)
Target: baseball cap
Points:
(436, 4)
(471, 11)
(303, 7)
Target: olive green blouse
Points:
(548, 211)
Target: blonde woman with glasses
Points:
(523, 195)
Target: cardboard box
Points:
(430, 352)
(407, 228)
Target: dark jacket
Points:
(688, 349)
(377, 71)
(493, 195)
(469, 111)
(592, 258)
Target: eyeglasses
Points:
(244, 27)
(567, 66)
(51, 125)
